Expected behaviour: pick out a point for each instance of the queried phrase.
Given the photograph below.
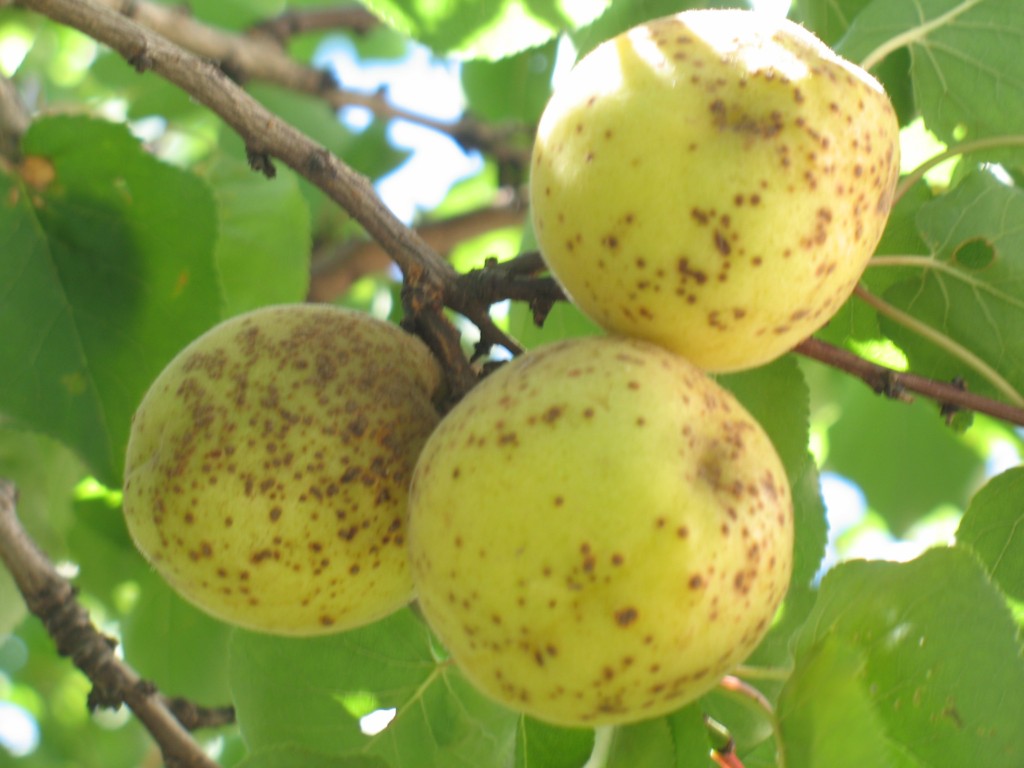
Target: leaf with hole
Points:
(968, 289)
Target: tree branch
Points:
(518, 279)
(259, 55)
(896, 384)
(266, 135)
(333, 272)
(298, 21)
(52, 599)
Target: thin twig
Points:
(518, 279)
(299, 21)
(748, 692)
(333, 271)
(948, 345)
(52, 599)
(896, 384)
(259, 56)
(967, 147)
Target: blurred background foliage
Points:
(144, 226)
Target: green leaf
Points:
(648, 742)
(993, 528)
(934, 652)
(145, 93)
(290, 756)
(967, 73)
(827, 717)
(486, 29)
(173, 643)
(104, 552)
(777, 396)
(515, 88)
(263, 237)
(106, 272)
(539, 745)
(621, 16)
(965, 290)
(901, 455)
(448, 722)
(679, 740)
(829, 19)
(235, 14)
(294, 691)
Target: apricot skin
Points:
(268, 465)
(598, 532)
(714, 181)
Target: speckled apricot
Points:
(267, 469)
(598, 532)
(715, 182)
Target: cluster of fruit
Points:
(598, 531)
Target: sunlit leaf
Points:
(968, 78)
(933, 652)
(235, 14)
(564, 321)
(621, 16)
(993, 527)
(488, 29)
(829, 19)
(293, 691)
(969, 290)
(515, 88)
(827, 717)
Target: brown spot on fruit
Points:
(624, 617)
(722, 243)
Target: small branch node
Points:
(141, 61)
(320, 164)
(234, 70)
(260, 162)
(329, 82)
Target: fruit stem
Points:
(778, 674)
(603, 736)
(964, 148)
(733, 684)
(942, 341)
